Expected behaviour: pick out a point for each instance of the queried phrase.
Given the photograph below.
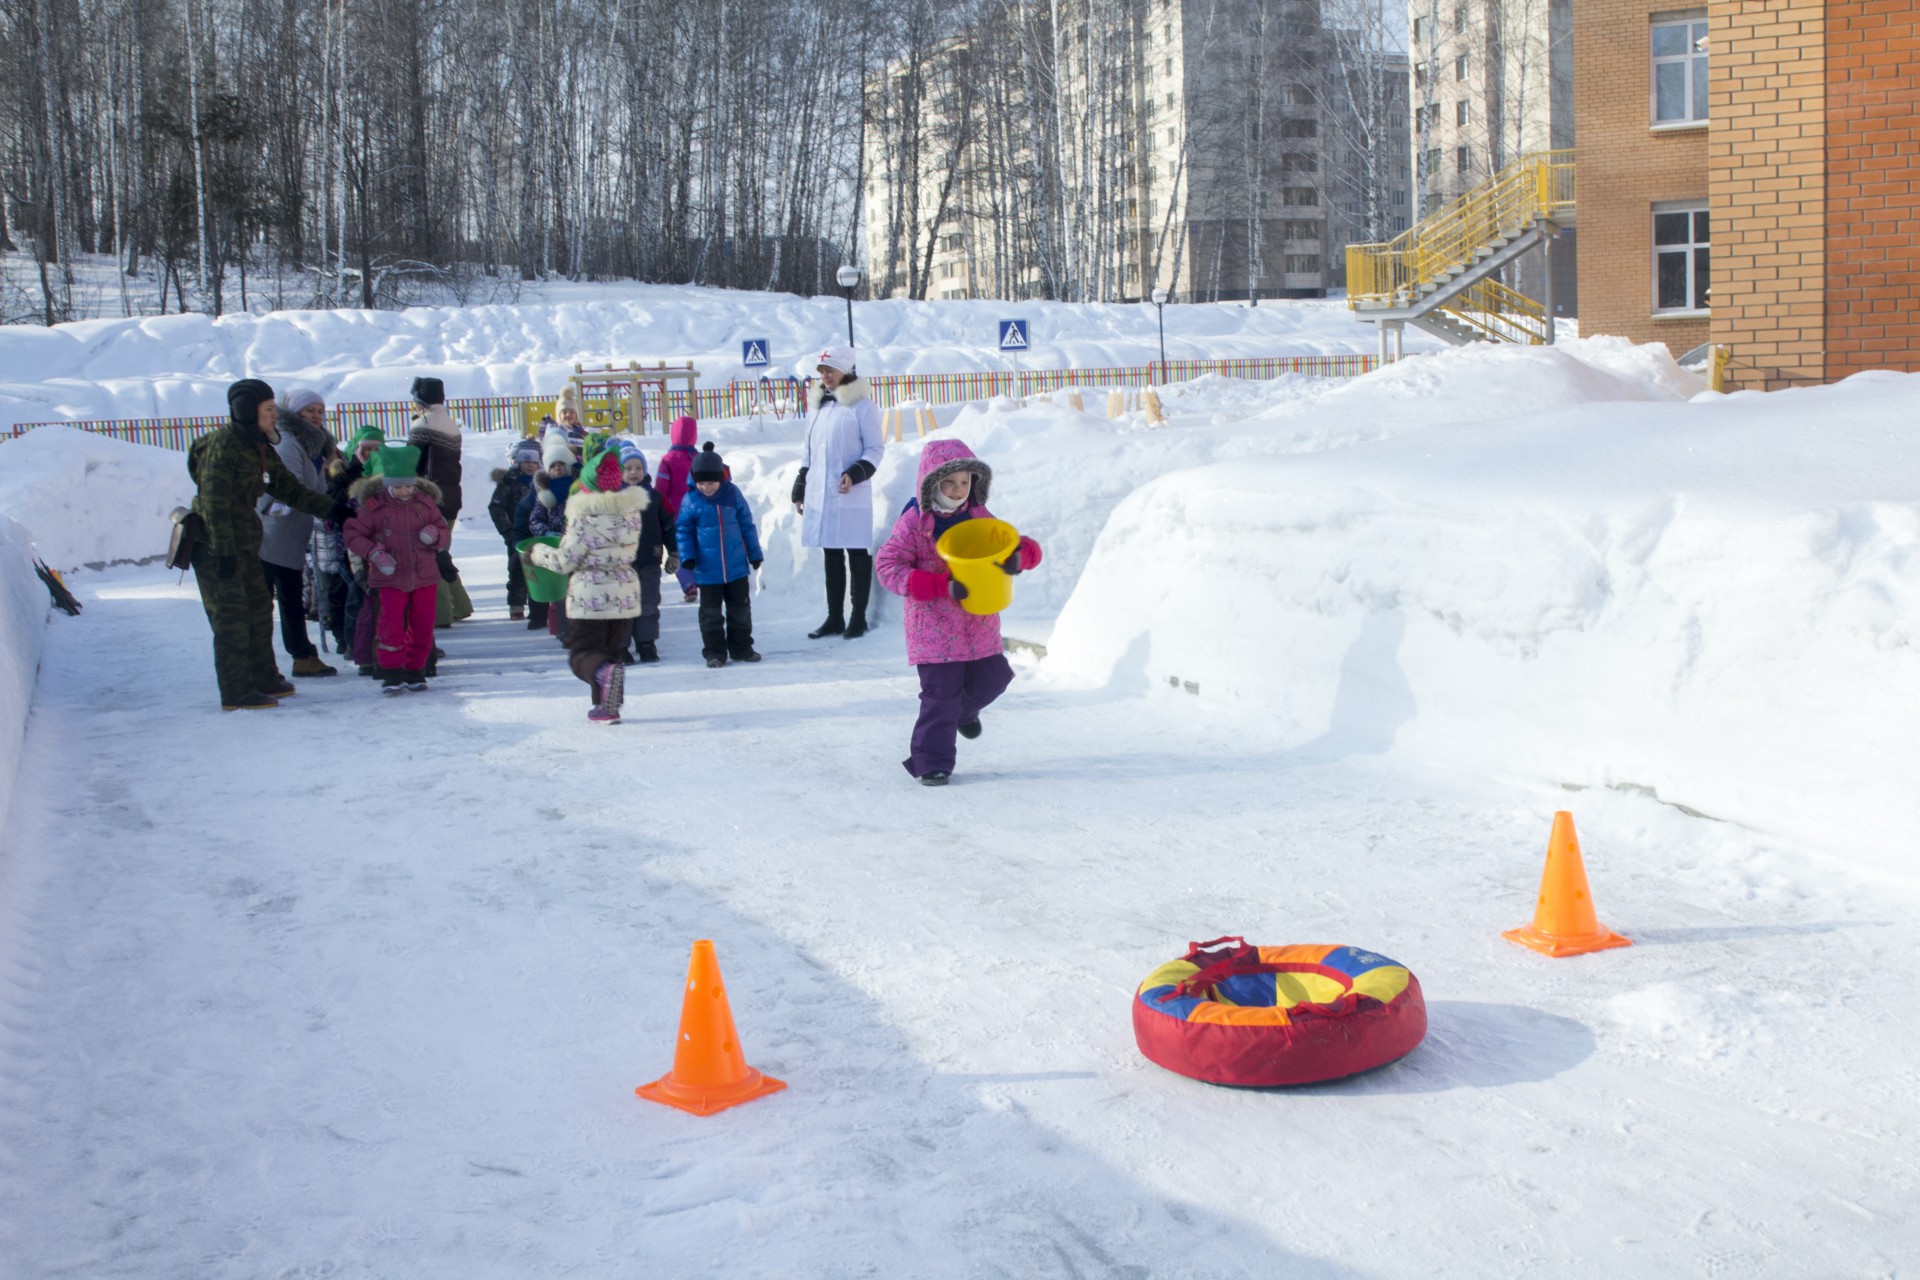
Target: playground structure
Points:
(613, 400)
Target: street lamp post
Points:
(848, 277)
(1160, 308)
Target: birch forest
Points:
(253, 154)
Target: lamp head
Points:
(848, 276)
(1159, 297)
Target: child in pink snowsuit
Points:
(400, 533)
(670, 484)
(962, 667)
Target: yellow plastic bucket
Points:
(973, 550)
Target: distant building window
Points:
(1681, 259)
(1302, 197)
(1680, 72)
(1460, 111)
(1462, 159)
(1299, 164)
(1419, 29)
(1300, 129)
(1460, 67)
(1460, 20)
(1399, 197)
(1300, 264)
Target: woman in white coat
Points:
(834, 493)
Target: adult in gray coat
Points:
(305, 447)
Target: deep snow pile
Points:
(23, 615)
(1716, 600)
(87, 499)
(179, 365)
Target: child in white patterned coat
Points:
(604, 520)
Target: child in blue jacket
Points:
(719, 543)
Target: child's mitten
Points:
(429, 537)
(929, 584)
(1024, 557)
(383, 562)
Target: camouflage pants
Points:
(239, 606)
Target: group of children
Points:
(590, 510)
(593, 512)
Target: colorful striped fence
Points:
(743, 399)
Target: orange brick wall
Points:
(1624, 168)
(1873, 186)
(1766, 152)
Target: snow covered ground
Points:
(179, 365)
(362, 988)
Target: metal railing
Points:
(1503, 314)
(1532, 188)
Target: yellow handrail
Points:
(1503, 314)
(1533, 187)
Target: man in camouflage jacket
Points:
(233, 466)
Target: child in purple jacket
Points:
(962, 667)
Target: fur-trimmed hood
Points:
(851, 391)
(942, 458)
(363, 488)
(627, 501)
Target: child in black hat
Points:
(719, 543)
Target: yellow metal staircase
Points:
(1439, 274)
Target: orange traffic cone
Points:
(1563, 921)
(709, 1072)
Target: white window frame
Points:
(1690, 208)
(1693, 62)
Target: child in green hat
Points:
(399, 531)
(363, 605)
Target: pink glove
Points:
(429, 537)
(929, 584)
(383, 562)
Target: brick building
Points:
(1749, 175)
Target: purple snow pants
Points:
(952, 693)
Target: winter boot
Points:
(862, 588)
(833, 626)
(600, 715)
(649, 651)
(393, 682)
(369, 669)
(610, 682)
(626, 658)
(281, 687)
(516, 614)
(938, 778)
(716, 661)
(251, 702)
(312, 666)
(416, 681)
(746, 656)
(970, 729)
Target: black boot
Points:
(836, 622)
(649, 651)
(393, 682)
(862, 589)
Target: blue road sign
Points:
(1013, 335)
(753, 353)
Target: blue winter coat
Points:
(716, 535)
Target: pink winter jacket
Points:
(670, 478)
(938, 629)
(383, 531)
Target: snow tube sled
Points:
(1277, 1015)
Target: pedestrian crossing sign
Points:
(1013, 335)
(753, 353)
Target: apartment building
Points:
(1182, 146)
(1749, 175)
(1493, 80)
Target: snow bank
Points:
(180, 365)
(1716, 600)
(23, 619)
(87, 499)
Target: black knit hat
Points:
(708, 465)
(429, 391)
(244, 399)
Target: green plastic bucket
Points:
(543, 585)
